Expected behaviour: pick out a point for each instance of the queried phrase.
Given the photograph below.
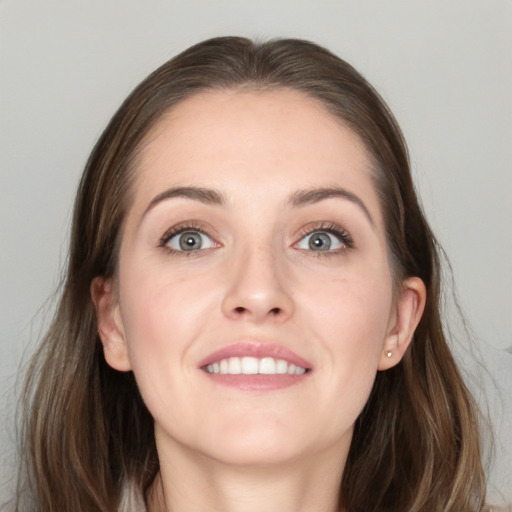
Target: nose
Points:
(258, 289)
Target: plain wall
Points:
(444, 66)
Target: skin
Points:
(220, 447)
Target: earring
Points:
(388, 353)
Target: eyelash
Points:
(342, 234)
(176, 230)
(334, 229)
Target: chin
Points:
(260, 444)
(264, 453)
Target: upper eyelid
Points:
(330, 227)
(182, 228)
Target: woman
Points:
(250, 319)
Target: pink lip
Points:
(255, 349)
(256, 382)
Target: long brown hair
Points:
(88, 435)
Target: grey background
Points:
(444, 66)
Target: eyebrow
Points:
(203, 195)
(311, 196)
(297, 199)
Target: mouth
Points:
(256, 366)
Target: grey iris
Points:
(190, 240)
(320, 241)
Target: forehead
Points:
(276, 139)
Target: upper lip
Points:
(255, 349)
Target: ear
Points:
(409, 308)
(110, 325)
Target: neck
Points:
(189, 484)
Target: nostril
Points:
(240, 310)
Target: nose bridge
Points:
(257, 285)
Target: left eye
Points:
(190, 241)
(321, 241)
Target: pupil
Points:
(190, 241)
(320, 241)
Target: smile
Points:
(254, 366)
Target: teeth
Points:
(254, 366)
(250, 366)
(268, 366)
(235, 365)
(281, 367)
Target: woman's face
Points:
(254, 300)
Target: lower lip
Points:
(257, 382)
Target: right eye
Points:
(188, 241)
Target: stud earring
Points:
(388, 353)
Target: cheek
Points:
(352, 321)
(354, 310)
(352, 317)
(162, 315)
